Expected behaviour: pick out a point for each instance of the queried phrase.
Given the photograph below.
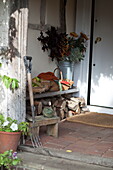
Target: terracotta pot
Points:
(9, 140)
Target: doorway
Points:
(101, 80)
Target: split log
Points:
(54, 109)
(79, 100)
(61, 104)
(53, 86)
(38, 107)
(70, 113)
(53, 100)
(66, 109)
(78, 109)
(46, 102)
(72, 105)
(84, 109)
(60, 113)
(55, 103)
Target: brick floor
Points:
(81, 138)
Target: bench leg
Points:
(52, 130)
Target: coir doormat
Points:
(93, 118)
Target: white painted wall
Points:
(83, 21)
(41, 61)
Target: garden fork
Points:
(34, 132)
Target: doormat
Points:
(94, 119)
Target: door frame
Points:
(85, 12)
(91, 51)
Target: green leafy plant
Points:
(9, 159)
(64, 47)
(11, 125)
(11, 83)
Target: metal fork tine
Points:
(32, 141)
(36, 134)
(39, 142)
(35, 139)
(36, 145)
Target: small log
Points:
(66, 109)
(46, 102)
(53, 100)
(54, 109)
(72, 105)
(45, 84)
(60, 113)
(55, 103)
(78, 110)
(70, 113)
(61, 104)
(38, 107)
(84, 109)
(53, 86)
(79, 100)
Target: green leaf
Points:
(14, 83)
(15, 161)
(10, 82)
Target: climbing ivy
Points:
(9, 82)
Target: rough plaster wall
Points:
(13, 103)
(41, 61)
(4, 23)
(4, 16)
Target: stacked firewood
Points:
(63, 106)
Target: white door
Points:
(102, 61)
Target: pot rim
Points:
(11, 133)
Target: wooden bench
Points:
(50, 123)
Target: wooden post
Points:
(63, 15)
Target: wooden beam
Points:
(63, 15)
(39, 27)
(42, 12)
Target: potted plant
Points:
(65, 49)
(8, 159)
(10, 133)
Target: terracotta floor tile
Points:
(108, 154)
(81, 138)
(55, 146)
